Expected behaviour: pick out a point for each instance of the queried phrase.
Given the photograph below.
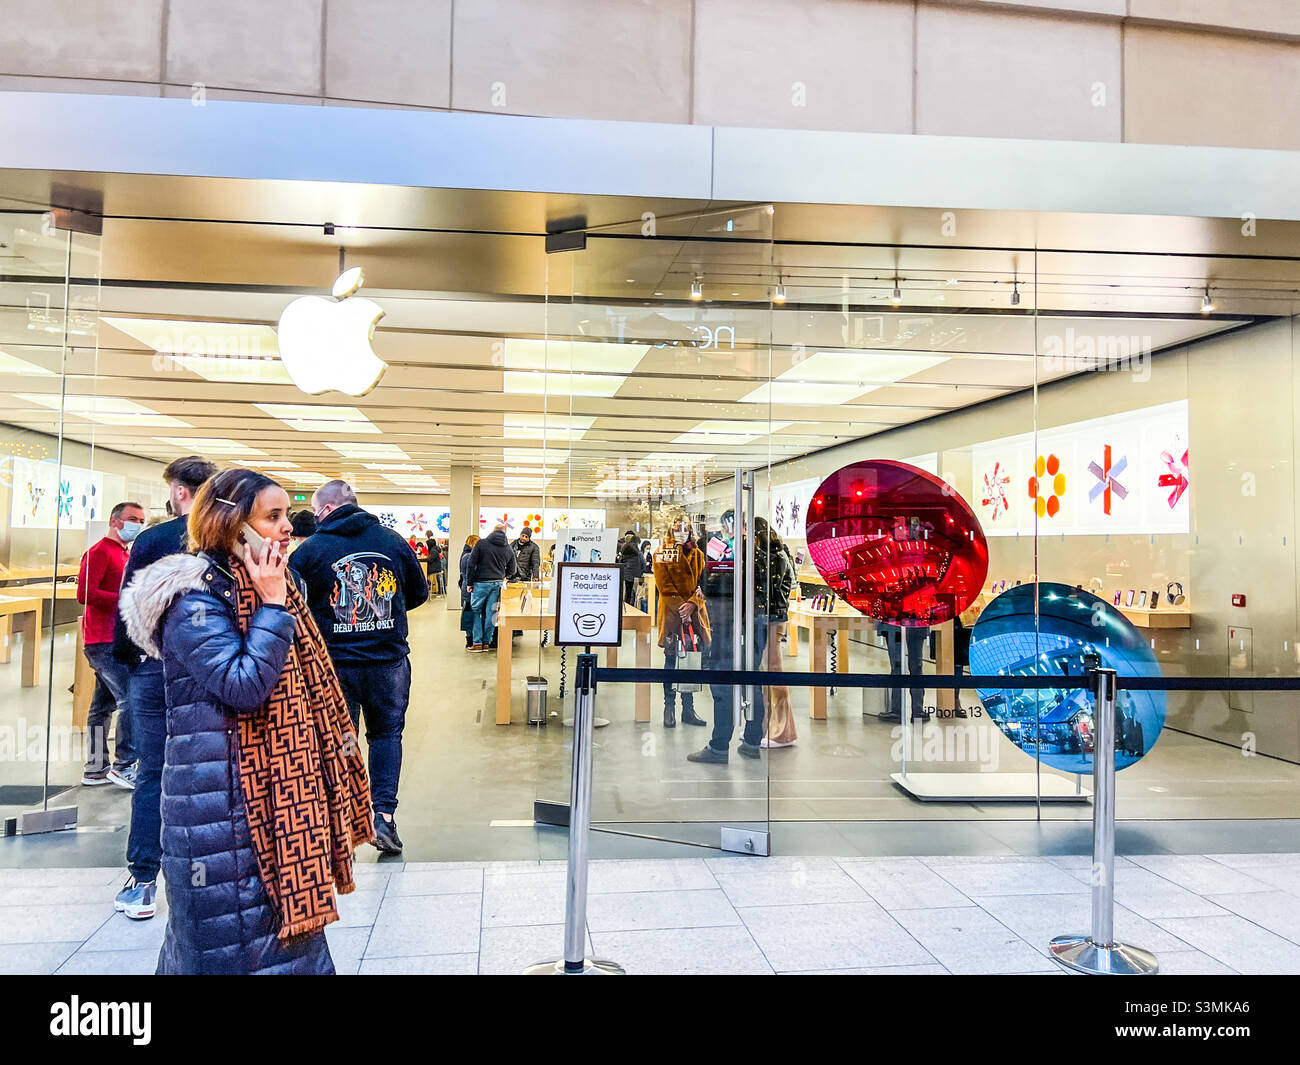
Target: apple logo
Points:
(325, 343)
(588, 624)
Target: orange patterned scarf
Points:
(306, 795)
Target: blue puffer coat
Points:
(220, 919)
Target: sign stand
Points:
(585, 607)
(1099, 954)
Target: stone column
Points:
(464, 522)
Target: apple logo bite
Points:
(325, 343)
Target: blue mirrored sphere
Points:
(1056, 724)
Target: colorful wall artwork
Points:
(790, 507)
(1119, 474)
(41, 494)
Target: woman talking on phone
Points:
(264, 793)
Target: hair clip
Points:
(228, 502)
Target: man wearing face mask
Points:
(99, 581)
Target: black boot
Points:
(670, 715)
(689, 716)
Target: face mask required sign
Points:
(589, 605)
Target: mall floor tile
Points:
(1237, 942)
(1276, 911)
(1018, 876)
(698, 915)
(1202, 875)
(780, 887)
(637, 910)
(834, 935)
(970, 940)
(728, 951)
(901, 883)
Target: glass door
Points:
(657, 364)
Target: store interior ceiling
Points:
(583, 373)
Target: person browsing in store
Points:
(362, 580)
(683, 616)
(491, 563)
(528, 557)
(146, 693)
(99, 583)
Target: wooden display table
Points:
(22, 614)
(1162, 617)
(841, 619)
(20, 575)
(538, 618)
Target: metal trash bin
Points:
(535, 697)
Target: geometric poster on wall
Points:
(790, 506)
(545, 522)
(42, 494)
(1121, 474)
(414, 521)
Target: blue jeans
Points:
(483, 601)
(147, 698)
(381, 691)
(723, 723)
(111, 679)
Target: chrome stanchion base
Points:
(1082, 955)
(590, 967)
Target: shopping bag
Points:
(689, 657)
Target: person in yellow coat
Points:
(678, 567)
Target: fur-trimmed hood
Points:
(146, 598)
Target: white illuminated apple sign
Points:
(325, 343)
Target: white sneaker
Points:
(774, 744)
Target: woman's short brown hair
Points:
(221, 507)
(471, 540)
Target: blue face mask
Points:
(130, 530)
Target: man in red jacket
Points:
(98, 585)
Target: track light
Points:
(778, 293)
(1015, 293)
(1207, 304)
(897, 298)
(697, 288)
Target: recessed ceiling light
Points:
(726, 432)
(216, 351)
(212, 445)
(108, 410)
(363, 450)
(830, 378)
(319, 418)
(12, 364)
(545, 427)
(413, 480)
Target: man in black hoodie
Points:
(361, 580)
(491, 562)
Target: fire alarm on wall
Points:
(1238, 600)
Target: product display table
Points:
(19, 575)
(1162, 617)
(535, 617)
(22, 614)
(841, 619)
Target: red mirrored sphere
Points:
(897, 543)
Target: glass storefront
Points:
(707, 371)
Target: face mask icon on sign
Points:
(588, 624)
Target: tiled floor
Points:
(1217, 913)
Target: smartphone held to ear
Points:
(256, 541)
